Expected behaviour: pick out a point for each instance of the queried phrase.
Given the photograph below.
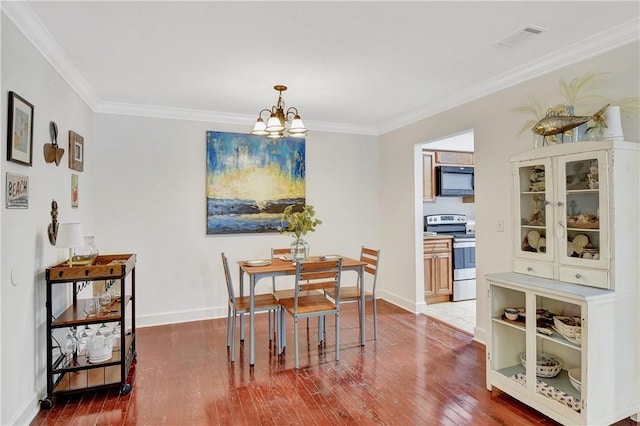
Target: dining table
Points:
(279, 266)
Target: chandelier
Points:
(279, 119)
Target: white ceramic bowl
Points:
(511, 314)
(575, 378)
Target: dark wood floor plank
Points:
(418, 371)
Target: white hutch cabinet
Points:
(576, 254)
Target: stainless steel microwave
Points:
(454, 181)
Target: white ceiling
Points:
(363, 67)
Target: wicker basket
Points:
(546, 365)
(565, 326)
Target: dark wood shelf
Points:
(74, 314)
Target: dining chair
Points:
(372, 258)
(287, 294)
(310, 277)
(240, 306)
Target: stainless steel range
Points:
(464, 251)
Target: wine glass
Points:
(104, 299)
(89, 308)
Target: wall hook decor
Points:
(53, 226)
(51, 150)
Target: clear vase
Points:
(88, 252)
(299, 249)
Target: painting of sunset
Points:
(250, 181)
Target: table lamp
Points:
(70, 236)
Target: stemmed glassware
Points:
(89, 307)
(104, 299)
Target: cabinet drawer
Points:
(543, 270)
(582, 276)
(431, 246)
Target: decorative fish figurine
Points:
(554, 124)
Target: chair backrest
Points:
(227, 277)
(372, 259)
(318, 275)
(280, 251)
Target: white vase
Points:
(613, 131)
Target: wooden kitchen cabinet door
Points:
(428, 178)
(454, 158)
(438, 275)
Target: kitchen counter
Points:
(431, 236)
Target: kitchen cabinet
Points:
(70, 369)
(428, 177)
(566, 225)
(438, 271)
(454, 158)
(576, 251)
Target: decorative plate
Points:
(257, 262)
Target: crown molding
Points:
(153, 111)
(618, 36)
(30, 25)
(27, 22)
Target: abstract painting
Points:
(251, 180)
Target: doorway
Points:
(459, 314)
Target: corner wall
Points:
(496, 139)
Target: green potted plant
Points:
(298, 223)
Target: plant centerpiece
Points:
(298, 223)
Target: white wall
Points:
(495, 133)
(142, 191)
(151, 201)
(26, 251)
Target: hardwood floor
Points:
(417, 372)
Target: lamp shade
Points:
(70, 235)
(259, 128)
(274, 124)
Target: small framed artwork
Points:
(76, 151)
(17, 194)
(74, 190)
(20, 130)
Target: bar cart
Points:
(77, 372)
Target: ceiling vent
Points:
(521, 36)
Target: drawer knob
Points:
(559, 203)
(529, 268)
(578, 276)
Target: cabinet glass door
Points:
(582, 211)
(533, 210)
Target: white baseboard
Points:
(28, 412)
(401, 302)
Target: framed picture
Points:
(20, 130)
(17, 194)
(251, 180)
(76, 151)
(74, 190)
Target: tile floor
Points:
(461, 315)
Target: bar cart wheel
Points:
(125, 389)
(46, 404)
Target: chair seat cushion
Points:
(349, 293)
(309, 304)
(262, 302)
